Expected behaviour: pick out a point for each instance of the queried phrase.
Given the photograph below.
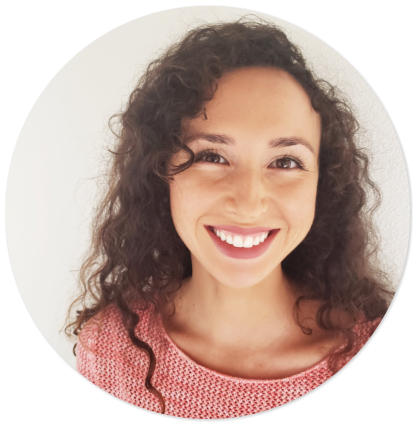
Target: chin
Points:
(242, 279)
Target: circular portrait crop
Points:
(208, 212)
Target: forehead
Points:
(259, 103)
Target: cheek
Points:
(178, 205)
(297, 203)
(188, 200)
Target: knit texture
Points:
(107, 358)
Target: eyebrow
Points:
(274, 143)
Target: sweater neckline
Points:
(318, 366)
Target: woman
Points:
(233, 264)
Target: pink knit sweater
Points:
(106, 357)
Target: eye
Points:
(288, 163)
(210, 156)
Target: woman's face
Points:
(255, 172)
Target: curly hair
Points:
(136, 253)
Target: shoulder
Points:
(105, 335)
(107, 357)
(359, 335)
(354, 340)
(364, 329)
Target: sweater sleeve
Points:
(108, 359)
(86, 363)
(86, 351)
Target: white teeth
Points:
(240, 241)
(248, 242)
(237, 242)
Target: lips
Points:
(242, 252)
(242, 231)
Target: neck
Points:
(228, 314)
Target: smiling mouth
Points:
(211, 228)
(241, 241)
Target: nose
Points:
(247, 198)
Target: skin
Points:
(232, 315)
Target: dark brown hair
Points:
(136, 253)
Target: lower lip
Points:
(242, 253)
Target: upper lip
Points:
(242, 231)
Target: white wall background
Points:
(49, 194)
